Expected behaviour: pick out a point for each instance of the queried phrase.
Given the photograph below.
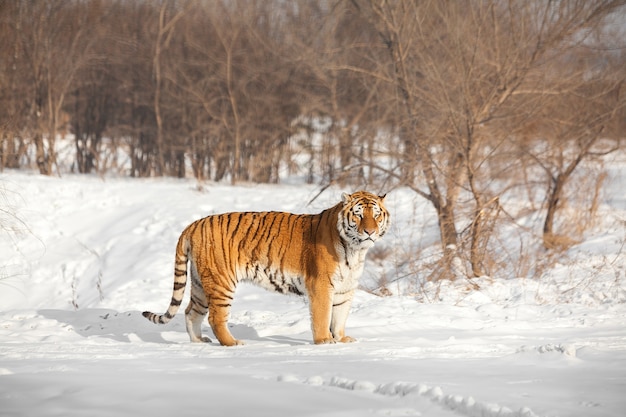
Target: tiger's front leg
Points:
(320, 304)
(340, 310)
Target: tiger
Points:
(318, 256)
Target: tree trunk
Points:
(549, 241)
(40, 155)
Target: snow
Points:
(83, 256)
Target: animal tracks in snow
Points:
(565, 349)
(462, 405)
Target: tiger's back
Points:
(320, 256)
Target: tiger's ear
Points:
(382, 197)
(345, 198)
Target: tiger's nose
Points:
(370, 230)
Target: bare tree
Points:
(578, 123)
(447, 98)
(166, 27)
(458, 69)
(13, 89)
(56, 44)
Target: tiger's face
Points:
(364, 218)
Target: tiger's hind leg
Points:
(196, 310)
(218, 319)
(220, 300)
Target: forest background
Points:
(498, 113)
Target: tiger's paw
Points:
(202, 339)
(325, 341)
(347, 339)
(234, 342)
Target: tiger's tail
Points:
(180, 281)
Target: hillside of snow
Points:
(81, 257)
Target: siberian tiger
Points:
(319, 256)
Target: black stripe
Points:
(232, 280)
(198, 224)
(240, 217)
(268, 230)
(252, 238)
(198, 312)
(259, 222)
(272, 280)
(273, 232)
(229, 217)
(294, 290)
(196, 301)
(293, 221)
(242, 227)
(179, 285)
(223, 229)
(210, 227)
(175, 302)
(223, 294)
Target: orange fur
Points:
(317, 255)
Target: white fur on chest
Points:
(349, 270)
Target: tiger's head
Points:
(363, 219)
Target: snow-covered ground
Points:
(85, 256)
